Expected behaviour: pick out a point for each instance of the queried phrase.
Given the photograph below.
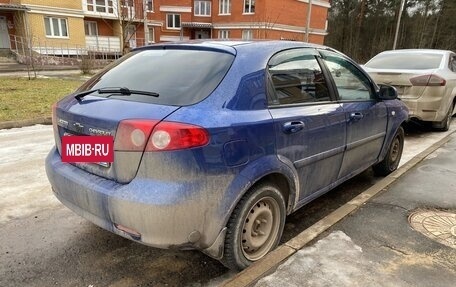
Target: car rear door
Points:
(366, 116)
(309, 125)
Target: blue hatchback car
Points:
(216, 142)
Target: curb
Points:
(271, 261)
(25, 123)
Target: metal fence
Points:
(26, 47)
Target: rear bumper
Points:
(431, 106)
(161, 212)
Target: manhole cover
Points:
(437, 225)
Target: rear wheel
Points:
(393, 156)
(255, 227)
(444, 125)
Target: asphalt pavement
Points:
(377, 246)
(42, 243)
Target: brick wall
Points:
(105, 26)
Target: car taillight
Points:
(175, 136)
(428, 80)
(150, 135)
(132, 135)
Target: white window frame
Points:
(224, 7)
(173, 27)
(51, 27)
(127, 3)
(151, 32)
(249, 7)
(247, 34)
(151, 5)
(224, 34)
(202, 8)
(91, 25)
(108, 6)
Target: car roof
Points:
(231, 45)
(411, 51)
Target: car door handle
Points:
(356, 116)
(293, 127)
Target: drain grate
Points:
(437, 225)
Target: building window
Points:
(128, 10)
(225, 7)
(202, 8)
(102, 6)
(56, 27)
(173, 21)
(91, 28)
(150, 5)
(127, 3)
(224, 34)
(247, 35)
(249, 6)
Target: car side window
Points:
(453, 63)
(351, 84)
(296, 77)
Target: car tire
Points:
(444, 125)
(255, 226)
(393, 156)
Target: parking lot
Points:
(44, 243)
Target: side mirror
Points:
(387, 92)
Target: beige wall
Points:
(75, 31)
(71, 4)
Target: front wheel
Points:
(393, 156)
(255, 227)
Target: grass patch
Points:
(23, 99)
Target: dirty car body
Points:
(424, 78)
(302, 117)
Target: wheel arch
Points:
(397, 117)
(270, 169)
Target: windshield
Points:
(415, 61)
(181, 77)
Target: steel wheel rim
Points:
(260, 228)
(395, 150)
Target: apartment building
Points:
(66, 26)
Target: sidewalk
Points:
(372, 232)
(376, 246)
(9, 65)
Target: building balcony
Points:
(103, 43)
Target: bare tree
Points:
(265, 23)
(131, 17)
(25, 45)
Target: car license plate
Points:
(88, 149)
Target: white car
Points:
(425, 81)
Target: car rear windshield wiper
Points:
(122, 91)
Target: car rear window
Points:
(180, 77)
(415, 61)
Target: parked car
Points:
(216, 142)
(425, 81)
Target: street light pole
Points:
(146, 27)
(398, 24)
(309, 13)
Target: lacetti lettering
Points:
(95, 131)
(87, 149)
